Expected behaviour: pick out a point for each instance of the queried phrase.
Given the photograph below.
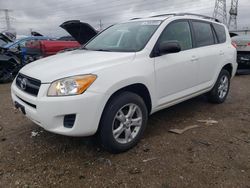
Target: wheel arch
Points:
(137, 88)
(229, 68)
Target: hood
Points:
(80, 31)
(36, 34)
(74, 63)
(6, 38)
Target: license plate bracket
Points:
(20, 108)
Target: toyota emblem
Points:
(23, 83)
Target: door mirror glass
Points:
(167, 47)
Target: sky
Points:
(45, 16)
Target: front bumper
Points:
(49, 112)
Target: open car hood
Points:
(82, 32)
(8, 37)
(36, 34)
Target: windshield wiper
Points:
(102, 50)
(83, 48)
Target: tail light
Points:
(234, 44)
(248, 44)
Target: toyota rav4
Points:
(111, 85)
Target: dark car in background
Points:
(242, 43)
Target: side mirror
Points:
(168, 47)
(19, 47)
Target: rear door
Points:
(208, 50)
(176, 72)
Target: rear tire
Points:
(221, 88)
(123, 122)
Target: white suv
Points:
(125, 73)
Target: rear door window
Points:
(203, 34)
(220, 33)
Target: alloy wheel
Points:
(127, 123)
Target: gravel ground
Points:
(216, 155)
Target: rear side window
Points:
(220, 32)
(203, 34)
(178, 31)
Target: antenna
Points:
(100, 25)
(232, 24)
(220, 11)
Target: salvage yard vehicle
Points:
(13, 56)
(243, 51)
(10, 63)
(81, 32)
(23, 43)
(125, 73)
(5, 39)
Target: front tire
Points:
(123, 122)
(8, 72)
(221, 88)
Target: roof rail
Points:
(198, 15)
(188, 14)
(159, 15)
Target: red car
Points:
(81, 32)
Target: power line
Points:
(220, 11)
(110, 7)
(232, 24)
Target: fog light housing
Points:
(69, 120)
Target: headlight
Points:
(75, 85)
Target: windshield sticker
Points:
(152, 22)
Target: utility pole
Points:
(220, 11)
(7, 17)
(232, 24)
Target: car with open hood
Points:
(79, 31)
(133, 69)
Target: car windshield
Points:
(125, 37)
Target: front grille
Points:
(69, 120)
(27, 84)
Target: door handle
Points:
(222, 53)
(194, 58)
